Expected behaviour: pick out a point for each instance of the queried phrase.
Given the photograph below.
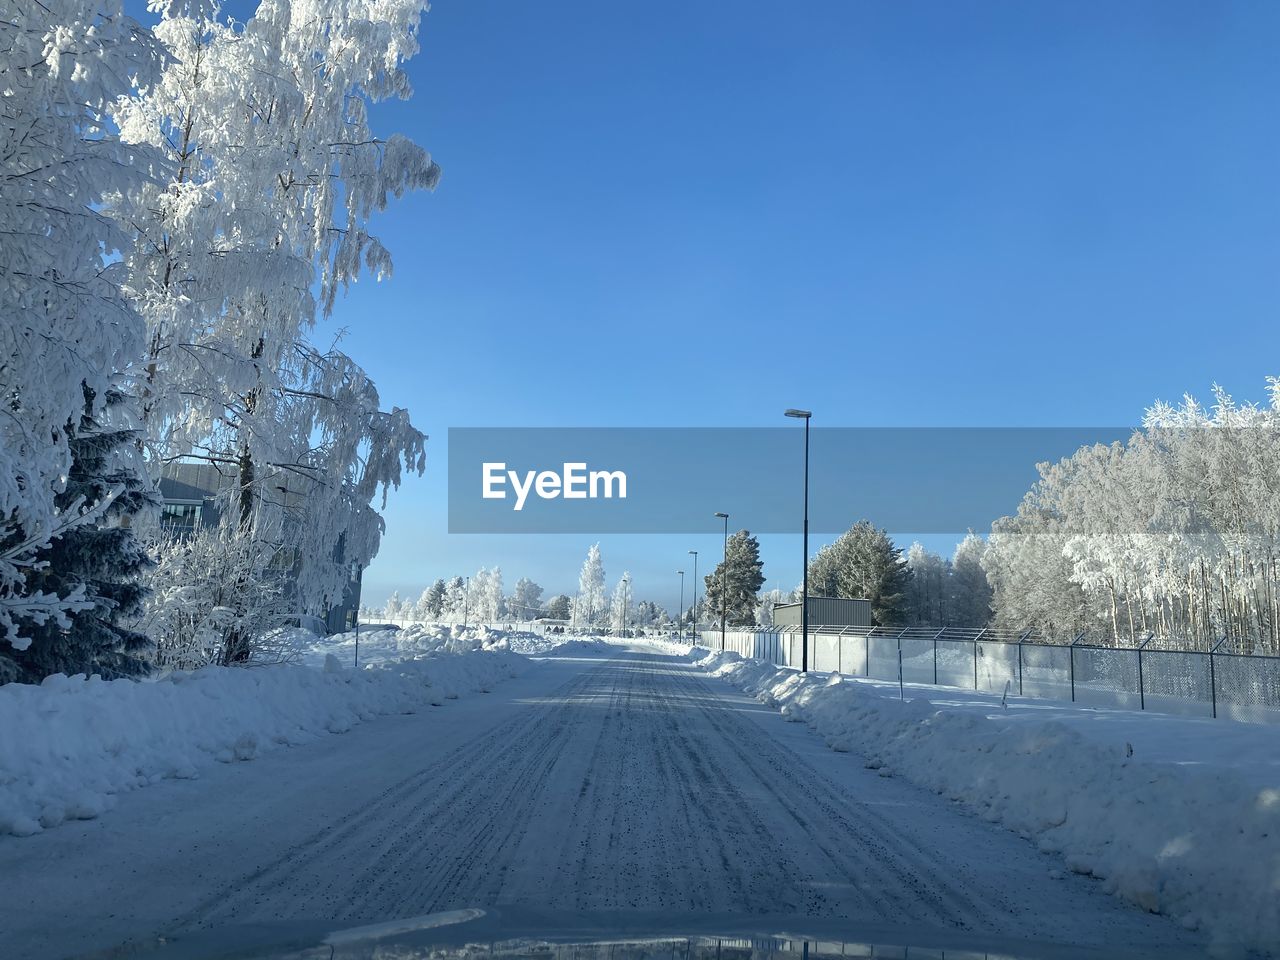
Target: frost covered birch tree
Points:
(589, 603)
(263, 219)
(1173, 533)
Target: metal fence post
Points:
(1142, 692)
(1021, 640)
(1072, 655)
(901, 693)
(935, 654)
(975, 656)
(1213, 677)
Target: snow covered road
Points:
(606, 784)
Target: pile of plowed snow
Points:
(379, 644)
(1195, 842)
(71, 744)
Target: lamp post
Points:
(623, 613)
(680, 609)
(804, 415)
(466, 600)
(724, 579)
(695, 595)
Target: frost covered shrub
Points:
(213, 593)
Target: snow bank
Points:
(379, 644)
(1198, 844)
(71, 744)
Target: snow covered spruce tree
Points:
(66, 326)
(559, 607)
(740, 575)
(263, 220)
(970, 590)
(435, 600)
(953, 592)
(863, 563)
(99, 561)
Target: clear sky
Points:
(891, 213)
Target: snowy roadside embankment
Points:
(379, 644)
(1192, 842)
(71, 744)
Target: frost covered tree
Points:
(272, 175)
(434, 600)
(970, 591)
(394, 607)
(1172, 533)
(768, 600)
(421, 606)
(101, 561)
(929, 587)
(620, 606)
(736, 580)
(484, 601)
(558, 607)
(863, 563)
(589, 603)
(526, 599)
(66, 326)
(455, 600)
(214, 592)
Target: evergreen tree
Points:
(863, 563)
(970, 589)
(435, 600)
(103, 558)
(558, 607)
(741, 574)
(929, 588)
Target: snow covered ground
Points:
(72, 746)
(617, 782)
(379, 644)
(1177, 816)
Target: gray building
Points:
(825, 612)
(193, 496)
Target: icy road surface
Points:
(631, 783)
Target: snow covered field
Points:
(72, 745)
(1177, 816)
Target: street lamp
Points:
(623, 615)
(695, 595)
(680, 609)
(724, 574)
(804, 415)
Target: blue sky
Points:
(892, 213)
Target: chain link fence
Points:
(1148, 675)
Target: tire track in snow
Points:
(641, 784)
